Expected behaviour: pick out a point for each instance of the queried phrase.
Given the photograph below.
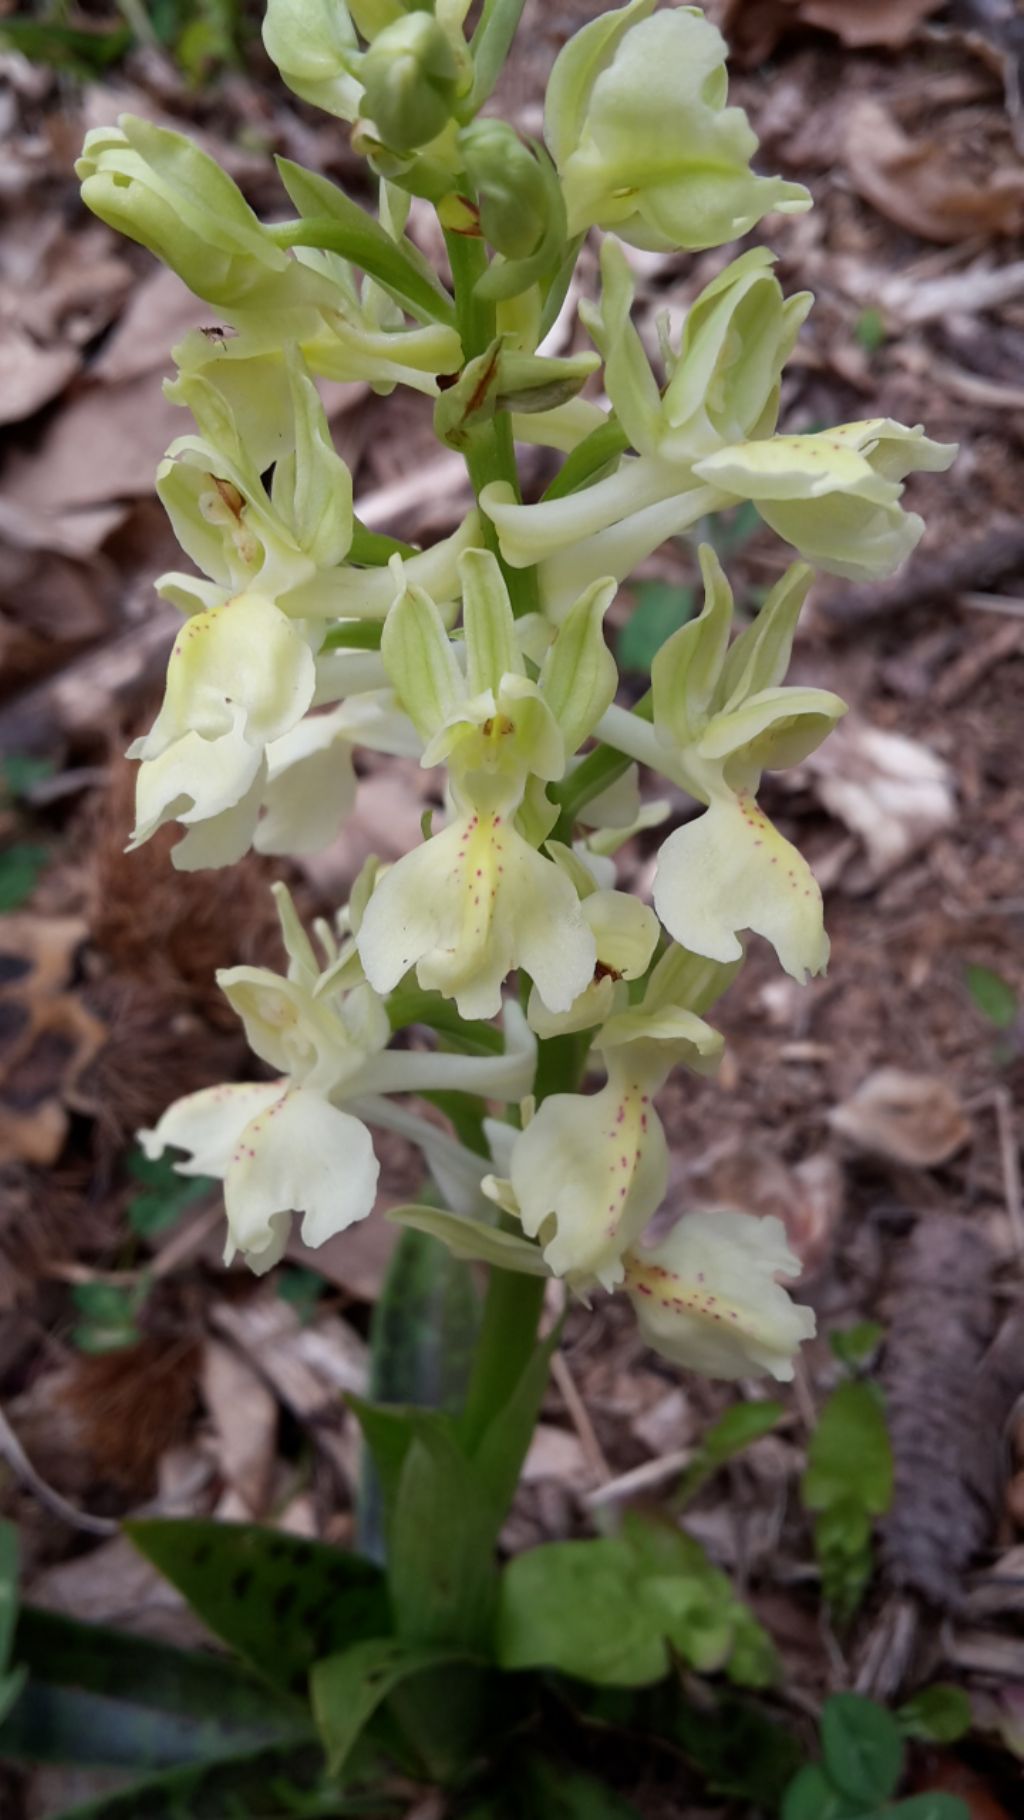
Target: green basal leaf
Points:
(421, 1343)
(502, 1446)
(424, 1327)
(286, 1782)
(388, 1433)
(940, 1714)
(348, 1688)
(282, 1602)
(96, 1695)
(442, 1573)
(862, 1748)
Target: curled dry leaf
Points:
(754, 27)
(894, 793)
(906, 1118)
(919, 184)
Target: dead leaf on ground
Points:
(808, 1198)
(158, 313)
(244, 1414)
(891, 791)
(355, 1261)
(103, 446)
(556, 1454)
(919, 183)
(113, 1584)
(906, 1118)
(305, 1367)
(47, 1037)
(30, 375)
(754, 27)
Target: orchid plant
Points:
(559, 1003)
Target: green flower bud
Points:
(509, 185)
(158, 188)
(410, 81)
(315, 48)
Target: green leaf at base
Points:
(348, 1688)
(282, 1602)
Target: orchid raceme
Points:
(505, 966)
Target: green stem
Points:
(490, 453)
(513, 1302)
(508, 1334)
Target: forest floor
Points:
(877, 1111)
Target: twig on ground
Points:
(17, 1459)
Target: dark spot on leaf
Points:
(283, 1601)
(241, 1583)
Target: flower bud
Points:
(158, 188)
(410, 81)
(315, 49)
(510, 189)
